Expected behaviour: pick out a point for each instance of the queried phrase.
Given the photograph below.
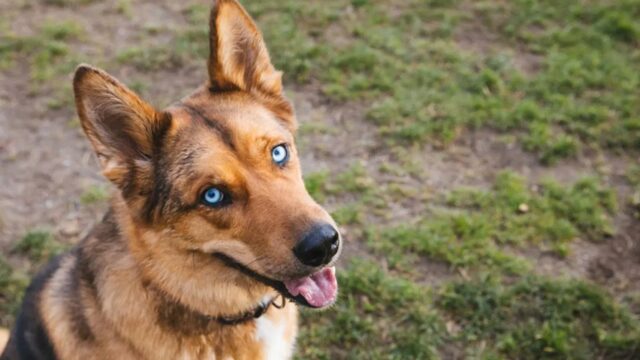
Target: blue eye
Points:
(280, 154)
(213, 197)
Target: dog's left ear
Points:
(238, 58)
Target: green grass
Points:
(633, 176)
(535, 318)
(94, 194)
(68, 2)
(377, 316)
(316, 184)
(349, 214)
(12, 286)
(354, 180)
(47, 52)
(421, 85)
(189, 44)
(477, 228)
(38, 246)
(382, 316)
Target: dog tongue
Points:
(319, 289)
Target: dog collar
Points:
(254, 313)
(182, 318)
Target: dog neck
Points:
(175, 316)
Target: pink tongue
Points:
(319, 289)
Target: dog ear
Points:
(239, 60)
(120, 126)
(238, 57)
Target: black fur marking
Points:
(217, 126)
(129, 187)
(29, 339)
(73, 288)
(161, 189)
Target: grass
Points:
(477, 228)
(94, 194)
(188, 43)
(378, 316)
(12, 286)
(381, 316)
(38, 246)
(633, 177)
(421, 85)
(64, 3)
(316, 184)
(536, 318)
(47, 50)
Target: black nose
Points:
(318, 246)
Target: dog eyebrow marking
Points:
(220, 129)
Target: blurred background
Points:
(481, 156)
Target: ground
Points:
(481, 157)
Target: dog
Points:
(211, 240)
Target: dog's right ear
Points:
(120, 126)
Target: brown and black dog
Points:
(210, 226)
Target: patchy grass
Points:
(12, 286)
(149, 58)
(405, 62)
(589, 74)
(633, 176)
(94, 194)
(47, 51)
(479, 227)
(316, 184)
(354, 180)
(349, 214)
(381, 316)
(422, 86)
(68, 2)
(189, 43)
(38, 246)
(536, 318)
(551, 212)
(378, 316)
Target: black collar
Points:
(250, 314)
(179, 317)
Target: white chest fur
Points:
(271, 334)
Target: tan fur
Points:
(4, 337)
(142, 285)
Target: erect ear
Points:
(238, 57)
(120, 126)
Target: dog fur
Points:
(145, 284)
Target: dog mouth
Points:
(318, 290)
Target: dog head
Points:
(210, 191)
